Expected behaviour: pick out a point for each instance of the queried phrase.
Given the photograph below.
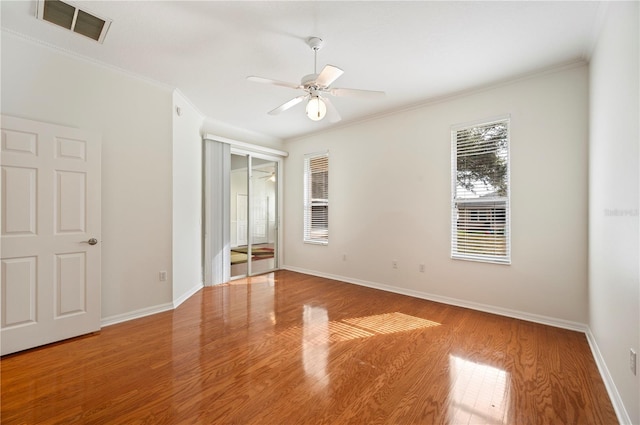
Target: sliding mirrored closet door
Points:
(253, 214)
(241, 209)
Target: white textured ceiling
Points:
(414, 51)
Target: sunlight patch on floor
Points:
(321, 331)
(389, 323)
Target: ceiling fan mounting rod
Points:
(316, 44)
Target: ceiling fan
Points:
(271, 175)
(316, 86)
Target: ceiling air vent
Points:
(73, 18)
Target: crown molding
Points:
(74, 55)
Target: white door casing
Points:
(50, 206)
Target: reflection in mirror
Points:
(253, 215)
(239, 226)
(263, 215)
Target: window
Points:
(316, 198)
(480, 192)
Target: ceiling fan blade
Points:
(332, 112)
(328, 75)
(289, 104)
(356, 93)
(274, 82)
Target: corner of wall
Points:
(186, 244)
(609, 383)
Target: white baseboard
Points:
(147, 311)
(529, 317)
(614, 395)
(182, 298)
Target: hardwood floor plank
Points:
(287, 348)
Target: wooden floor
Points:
(287, 348)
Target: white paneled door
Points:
(50, 250)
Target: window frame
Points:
(484, 202)
(309, 202)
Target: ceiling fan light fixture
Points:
(316, 108)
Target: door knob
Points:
(92, 241)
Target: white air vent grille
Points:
(74, 19)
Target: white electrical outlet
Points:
(163, 276)
(394, 264)
(421, 268)
(632, 361)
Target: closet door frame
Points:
(215, 269)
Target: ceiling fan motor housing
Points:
(309, 82)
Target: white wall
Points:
(187, 198)
(134, 118)
(614, 189)
(389, 197)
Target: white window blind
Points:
(316, 198)
(480, 192)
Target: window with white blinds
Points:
(316, 198)
(480, 192)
